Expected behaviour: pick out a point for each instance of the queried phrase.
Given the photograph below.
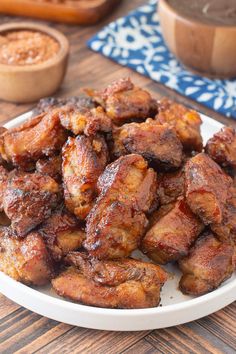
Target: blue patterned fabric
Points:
(136, 41)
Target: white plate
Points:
(175, 308)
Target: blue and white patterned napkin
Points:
(136, 41)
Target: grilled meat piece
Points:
(84, 159)
(49, 103)
(170, 186)
(208, 264)
(226, 230)
(115, 225)
(25, 260)
(4, 175)
(124, 283)
(155, 142)
(172, 235)
(51, 166)
(124, 102)
(206, 188)
(62, 233)
(85, 121)
(186, 123)
(222, 147)
(28, 200)
(36, 138)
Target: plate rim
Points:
(231, 285)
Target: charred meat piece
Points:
(117, 221)
(2, 130)
(158, 214)
(222, 147)
(51, 166)
(62, 233)
(84, 159)
(38, 137)
(186, 123)
(28, 200)
(25, 260)
(124, 283)
(206, 188)
(4, 174)
(155, 142)
(171, 237)
(124, 102)
(226, 230)
(49, 103)
(115, 231)
(85, 121)
(4, 221)
(170, 186)
(2, 161)
(208, 264)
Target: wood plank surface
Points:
(22, 331)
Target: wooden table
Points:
(22, 331)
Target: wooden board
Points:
(68, 11)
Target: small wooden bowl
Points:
(207, 49)
(29, 83)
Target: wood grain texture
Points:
(22, 331)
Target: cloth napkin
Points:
(136, 41)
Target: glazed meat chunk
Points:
(62, 233)
(124, 283)
(25, 260)
(206, 188)
(2, 130)
(4, 221)
(208, 264)
(51, 166)
(4, 174)
(2, 161)
(84, 159)
(49, 103)
(117, 221)
(186, 123)
(38, 137)
(226, 230)
(222, 147)
(28, 200)
(124, 102)
(84, 120)
(115, 231)
(171, 237)
(155, 142)
(170, 186)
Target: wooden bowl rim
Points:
(57, 58)
(192, 21)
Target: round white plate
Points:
(175, 308)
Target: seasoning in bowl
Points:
(33, 61)
(25, 47)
